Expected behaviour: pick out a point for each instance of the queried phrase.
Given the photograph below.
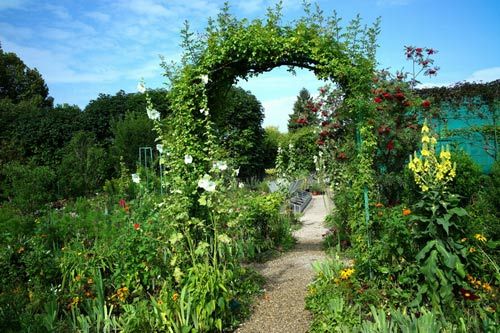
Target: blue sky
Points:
(83, 47)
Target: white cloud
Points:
(12, 4)
(147, 7)
(9, 31)
(98, 16)
(58, 34)
(59, 11)
(485, 75)
(433, 85)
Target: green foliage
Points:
(468, 180)
(237, 118)
(135, 130)
(19, 83)
(84, 166)
(35, 132)
(28, 186)
(303, 114)
(100, 114)
(296, 157)
(272, 139)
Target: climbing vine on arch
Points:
(232, 49)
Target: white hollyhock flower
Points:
(141, 87)
(236, 172)
(135, 178)
(159, 147)
(153, 114)
(204, 79)
(188, 159)
(206, 183)
(241, 185)
(221, 165)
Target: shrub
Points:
(84, 166)
(467, 182)
(28, 186)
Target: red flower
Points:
(342, 156)
(325, 123)
(377, 100)
(387, 95)
(320, 142)
(301, 121)
(137, 226)
(399, 95)
(431, 71)
(122, 203)
(406, 103)
(418, 50)
(468, 295)
(424, 62)
(390, 145)
(384, 129)
(431, 51)
(426, 104)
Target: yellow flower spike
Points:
(425, 139)
(433, 141)
(425, 128)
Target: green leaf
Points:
(427, 248)
(444, 222)
(459, 211)
(459, 267)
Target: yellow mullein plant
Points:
(429, 170)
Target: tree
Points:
(238, 120)
(19, 83)
(304, 112)
(273, 138)
(131, 133)
(35, 132)
(101, 113)
(84, 166)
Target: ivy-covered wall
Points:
(468, 118)
(462, 128)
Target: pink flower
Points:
(122, 203)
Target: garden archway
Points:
(235, 49)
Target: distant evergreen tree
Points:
(303, 114)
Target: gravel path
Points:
(281, 308)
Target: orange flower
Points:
(137, 226)
(406, 211)
(175, 297)
(379, 205)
